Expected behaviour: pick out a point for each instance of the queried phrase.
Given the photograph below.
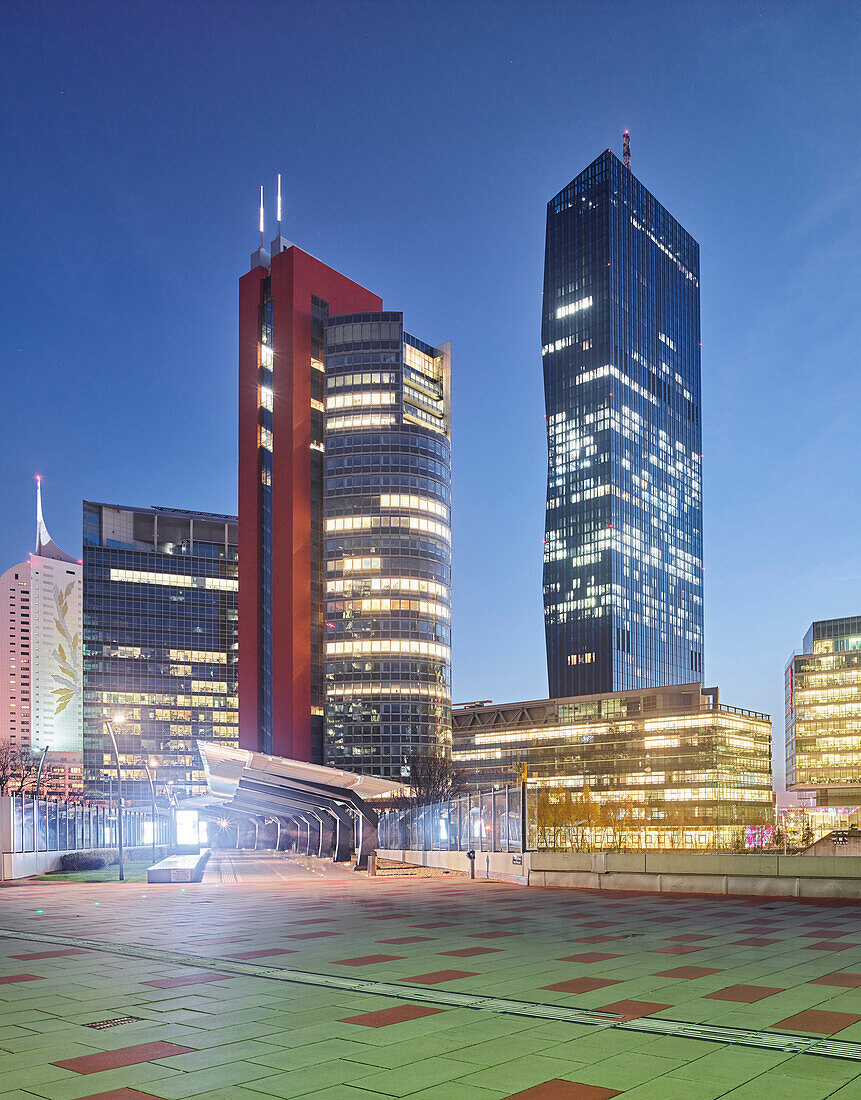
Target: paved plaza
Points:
(289, 977)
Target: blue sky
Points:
(419, 144)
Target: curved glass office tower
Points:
(621, 350)
(387, 530)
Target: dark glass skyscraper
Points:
(621, 349)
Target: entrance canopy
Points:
(327, 800)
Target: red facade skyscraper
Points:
(283, 305)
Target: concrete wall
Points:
(488, 865)
(664, 872)
(825, 846)
(660, 872)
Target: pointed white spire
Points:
(45, 545)
(261, 215)
(42, 536)
(279, 205)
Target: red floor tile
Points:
(819, 1021)
(437, 976)
(437, 924)
(9, 979)
(631, 1010)
(189, 979)
(689, 972)
(126, 1056)
(564, 1090)
(829, 945)
(366, 960)
(491, 935)
(589, 957)
(755, 941)
(689, 938)
(676, 949)
(841, 977)
(49, 954)
(581, 985)
(120, 1094)
(744, 994)
(468, 952)
(409, 939)
(263, 954)
(391, 1016)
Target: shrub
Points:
(80, 861)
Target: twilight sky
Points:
(419, 144)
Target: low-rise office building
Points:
(672, 757)
(823, 715)
(160, 644)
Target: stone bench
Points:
(179, 868)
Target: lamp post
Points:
(118, 720)
(151, 802)
(36, 804)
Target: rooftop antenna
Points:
(261, 215)
(626, 150)
(279, 205)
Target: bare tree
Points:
(17, 768)
(8, 761)
(433, 777)
(26, 764)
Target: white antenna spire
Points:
(42, 536)
(261, 215)
(279, 204)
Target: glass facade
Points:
(387, 531)
(265, 391)
(160, 643)
(668, 757)
(621, 352)
(823, 714)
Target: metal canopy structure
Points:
(329, 803)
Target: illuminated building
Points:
(823, 715)
(284, 302)
(41, 665)
(344, 520)
(160, 643)
(666, 756)
(621, 352)
(387, 544)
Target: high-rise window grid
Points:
(388, 545)
(620, 344)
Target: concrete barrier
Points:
(499, 866)
(716, 873)
(699, 873)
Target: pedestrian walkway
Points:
(290, 986)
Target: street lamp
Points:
(151, 802)
(36, 806)
(119, 719)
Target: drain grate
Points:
(100, 1024)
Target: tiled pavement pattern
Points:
(243, 1036)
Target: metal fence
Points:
(486, 821)
(60, 826)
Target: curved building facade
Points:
(387, 531)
